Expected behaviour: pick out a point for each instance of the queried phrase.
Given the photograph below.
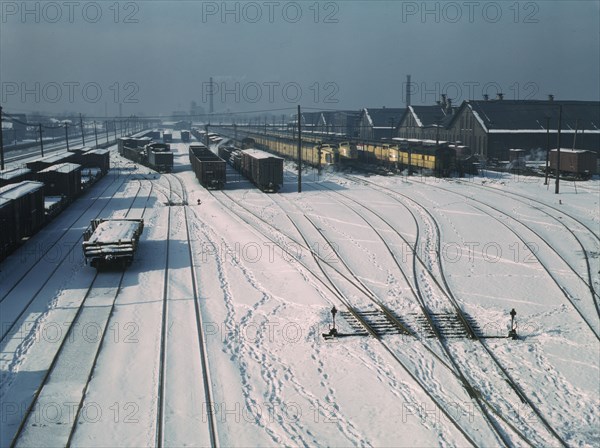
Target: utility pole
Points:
(81, 126)
(96, 133)
(67, 134)
(1, 143)
(106, 129)
(557, 188)
(547, 147)
(41, 140)
(299, 151)
(115, 126)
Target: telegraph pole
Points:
(556, 188)
(67, 134)
(1, 143)
(547, 147)
(106, 129)
(96, 133)
(41, 140)
(81, 126)
(299, 151)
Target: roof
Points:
(574, 151)
(62, 168)
(11, 173)
(431, 115)
(54, 158)
(15, 191)
(510, 116)
(380, 118)
(258, 154)
(98, 151)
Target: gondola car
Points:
(208, 167)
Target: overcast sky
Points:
(156, 57)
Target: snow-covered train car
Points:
(112, 241)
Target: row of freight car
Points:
(262, 168)
(33, 195)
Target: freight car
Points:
(185, 136)
(22, 213)
(63, 179)
(15, 175)
(167, 137)
(575, 162)
(263, 169)
(208, 167)
(159, 157)
(112, 242)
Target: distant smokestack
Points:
(407, 90)
(550, 97)
(210, 93)
(486, 97)
(500, 96)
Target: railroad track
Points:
(432, 317)
(524, 200)
(96, 306)
(165, 374)
(514, 385)
(594, 295)
(342, 298)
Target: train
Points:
(208, 167)
(157, 156)
(30, 197)
(321, 150)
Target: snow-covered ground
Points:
(214, 334)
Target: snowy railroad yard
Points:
(214, 335)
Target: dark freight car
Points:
(45, 162)
(575, 161)
(62, 180)
(167, 137)
(7, 234)
(185, 136)
(14, 175)
(159, 157)
(96, 158)
(208, 167)
(263, 169)
(26, 214)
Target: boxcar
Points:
(8, 237)
(167, 137)
(185, 136)
(62, 180)
(26, 215)
(263, 169)
(15, 175)
(159, 157)
(45, 162)
(575, 161)
(208, 167)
